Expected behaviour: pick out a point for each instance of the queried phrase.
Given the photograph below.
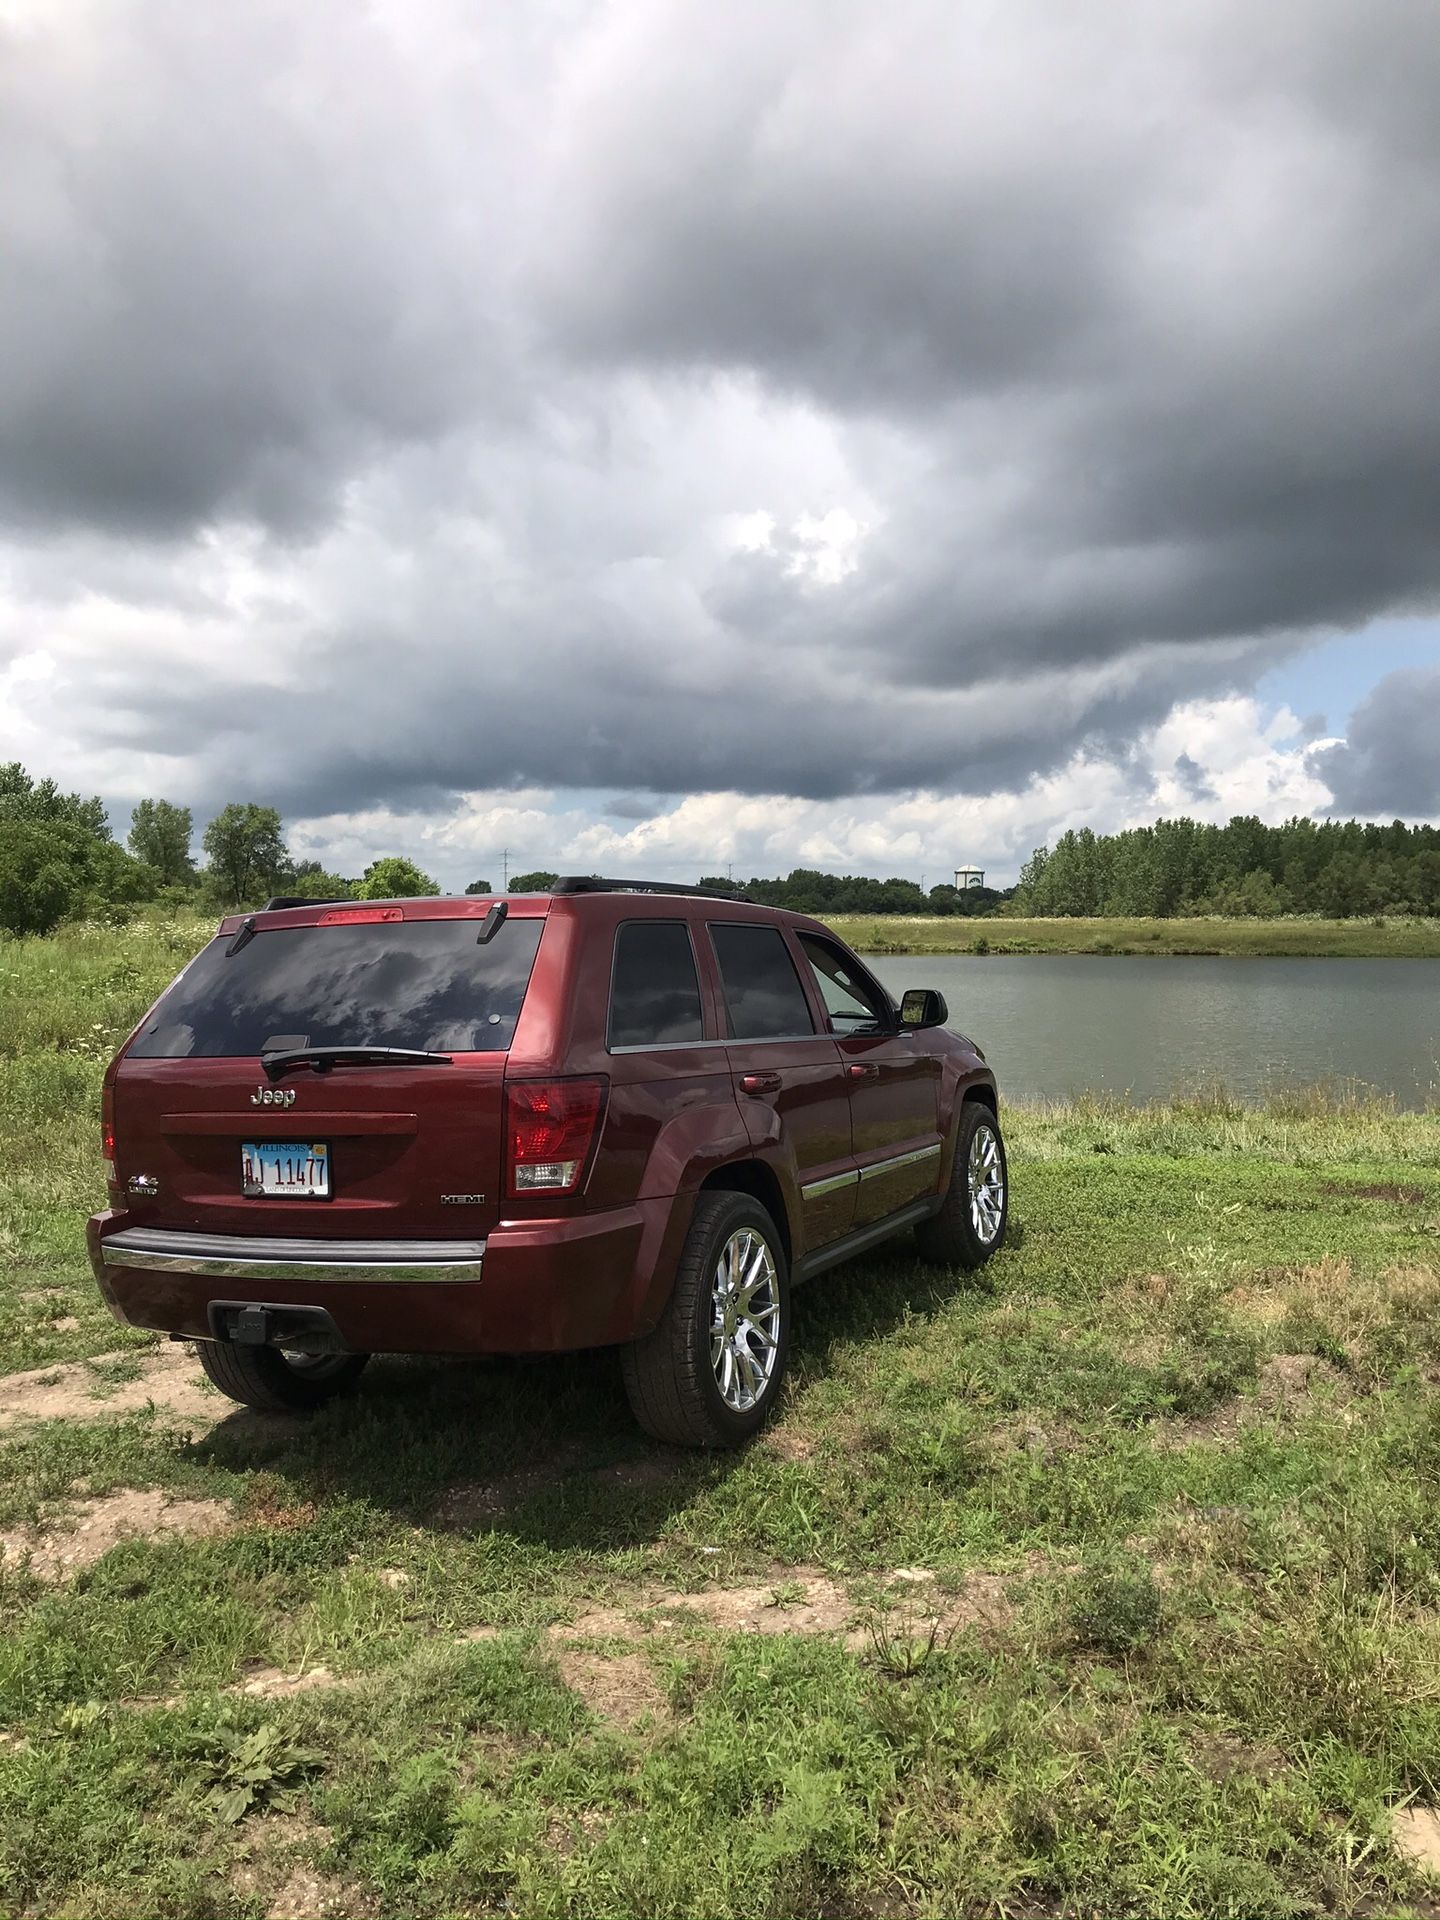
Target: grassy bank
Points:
(1103, 1582)
(1356, 939)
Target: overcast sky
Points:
(653, 436)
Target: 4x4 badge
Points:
(273, 1097)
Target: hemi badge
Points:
(462, 1199)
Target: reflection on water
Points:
(1055, 1024)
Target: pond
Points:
(1053, 1025)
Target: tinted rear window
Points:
(655, 990)
(762, 988)
(412, 983)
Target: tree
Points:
(42, 802)
(310, 881)
(38, 883)
(538, 882)
(160, 836)
(246, 851)
(479, 886)
(394, 878)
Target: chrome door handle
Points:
(760, 1083)
(862, 1070)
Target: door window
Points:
(849, 1000)
(762, 989)
(654, 988)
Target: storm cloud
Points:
(819, 400)
(1389, 764)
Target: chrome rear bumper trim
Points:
(227, 1256)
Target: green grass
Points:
(1183, 1436)
(1299, 935)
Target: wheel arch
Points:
(759, 1181)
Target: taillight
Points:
(107, 1138)
(550, 1128)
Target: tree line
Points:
(59, 860)
(1335, 868)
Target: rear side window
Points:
(413, 983)
(655, 988)
(762, 989)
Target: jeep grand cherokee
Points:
(614, 1114)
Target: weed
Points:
(245, 1770)
(1115, 1605)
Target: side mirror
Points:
(922, 1007)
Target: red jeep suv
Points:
(612, 1114)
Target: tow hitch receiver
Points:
(250, 1324)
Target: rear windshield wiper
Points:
(322, 1059)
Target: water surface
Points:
(1053, 1025)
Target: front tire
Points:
(710, 1372)
(274, 1381)
(970, 1225)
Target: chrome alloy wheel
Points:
(744, 1319)
(987, 1183)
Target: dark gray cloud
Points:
(1389, 762)
(235, 266)
(395, 383)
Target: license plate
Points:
(286, 1170)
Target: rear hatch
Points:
(238, 1110)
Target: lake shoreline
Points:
(1207, 938)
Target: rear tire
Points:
(710, 1372)
(274, 1381)
(970, 1225)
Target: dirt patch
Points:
(1416, 1832)
(793, 1602)
(1378, 1190)
(269, 1683)
(292, 1888)
(1220, 1758)
(1288, 1378)
(169, 1377)
(1043, 1440)
(307, 1895)
(788, 1446)
(92, 1527)
(1283, 1391)
(804, 1600)
(618, 1687)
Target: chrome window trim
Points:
(225, 1256)
(664, 1046)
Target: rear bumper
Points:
(531, 1286)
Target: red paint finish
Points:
(433, 1152)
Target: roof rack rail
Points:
(595, 883)
(283, 900)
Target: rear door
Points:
(206, 1139)
(893, 1080)
(788, 1078)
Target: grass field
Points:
(1357, 939)
(1104, 1582)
